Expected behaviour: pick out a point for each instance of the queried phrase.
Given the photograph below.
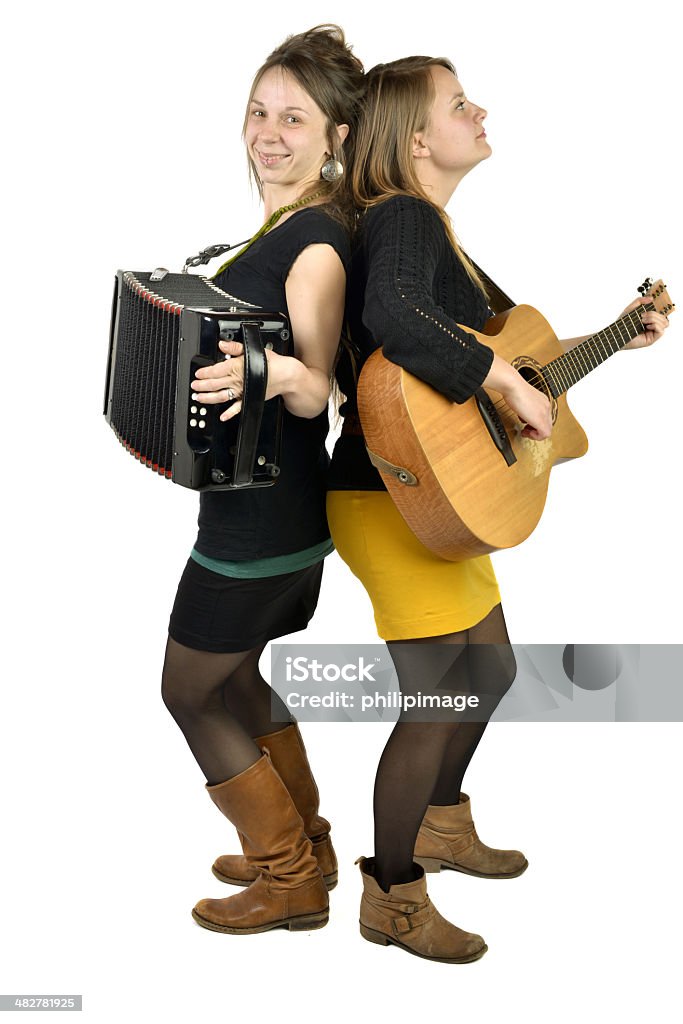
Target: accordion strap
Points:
(255, 383)
(218, 250)
(211, 251)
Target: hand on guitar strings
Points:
(654, 323)
(526, 401)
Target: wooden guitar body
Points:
(467, 500)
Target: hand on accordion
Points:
(224, 381)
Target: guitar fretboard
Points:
(570, 367)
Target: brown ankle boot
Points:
(406, 917)
(289, 890)
(288, 754)
(448, 839)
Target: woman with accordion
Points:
(254, 573)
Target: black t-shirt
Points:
(407, 293)
(289, 516)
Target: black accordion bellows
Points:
(164, 327)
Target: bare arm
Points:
(315, 289)
(569, 343)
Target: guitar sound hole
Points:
(531, 371)
(532, 375)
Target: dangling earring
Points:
(332, 170)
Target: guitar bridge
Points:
(494, 425)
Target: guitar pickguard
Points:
(540, 454)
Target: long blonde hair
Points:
(397, 104)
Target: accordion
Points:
(163, 328)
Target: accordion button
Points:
(193, 408)
(202, 423)
(193, 423)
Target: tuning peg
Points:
(645, 286)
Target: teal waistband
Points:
(261, 567)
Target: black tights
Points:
(424, 762)
(220, 702)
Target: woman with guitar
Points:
(411, 287)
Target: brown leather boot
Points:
(288, 754)
(448, 839)
(289, 890)
(406, 917)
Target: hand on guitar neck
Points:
(655, 324)
(530, 404)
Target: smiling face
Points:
(286, 133)
(454, 140)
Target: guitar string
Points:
(590, 346)
(594, 345)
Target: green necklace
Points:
(271, 222)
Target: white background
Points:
(122, 149)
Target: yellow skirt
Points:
(414, 593)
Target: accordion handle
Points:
(255, 383)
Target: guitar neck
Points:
(570, 367)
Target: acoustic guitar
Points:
(462, 476)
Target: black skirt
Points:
(217, 613)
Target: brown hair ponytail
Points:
(322, 63)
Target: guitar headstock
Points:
(658, 294)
